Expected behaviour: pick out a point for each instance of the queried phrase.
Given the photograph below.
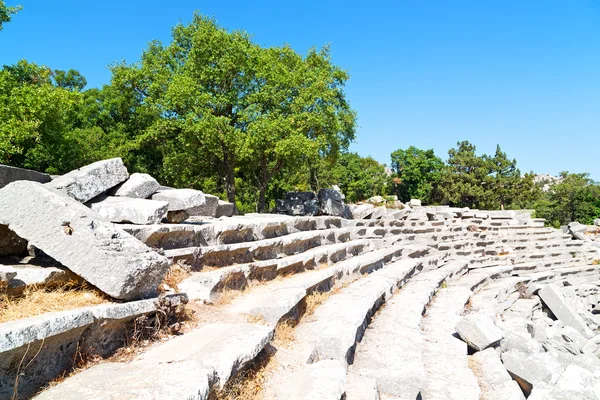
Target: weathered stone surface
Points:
(224, 209)
(208, 209)
(10, 174)
(102, 254)
(494, 380)
(180, 199)
(121, 381)
(531, 370)
(560, 307)
(176, 217)
(298, 203)
(10, 243)
(7, 273)
(85, 183)
(324, 380)
(574, 383)
(378, 212)
(414, 203)
(361, 211)
(479, 331)
(130, 210)
(139, 186)
(331, 202)
(29, 275)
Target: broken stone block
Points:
(298, 203)
(130, 210)
(361, 211)
(331, 202)
(208, 209)
(414, 203)
(7, 273)
(565, 312)
(85, 183)
(567, 339)
(180, 199)
(479, 331)
(77, 237)
(574, 383)
(224, 209)
(140, 186)
(10, 174)
(30, 275)
(530, 370)
(176, 217)
(10, 243)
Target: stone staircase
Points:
(391, 292)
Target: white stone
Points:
(479, 331)
(10, 174)
(130, 210)
(324, 380)
(77, 237)
(414, 203)
(87, 182)
(7, 273)
(208, 209)
(140, 186)
(180, 199)
(361, 211)
(530, 370)
(560, 307)
(224, 209)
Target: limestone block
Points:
(85, 183)
(7, 273)
(414, 203)
(10, 174)
(208, 209)
(531, 370)
(361, 211)
(479, 331)
(224, 209)
(130, 210)
(563, 310)
(77, 237)
(140, 186)
(180, 199)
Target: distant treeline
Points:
(215, 111)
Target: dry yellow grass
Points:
(596, 262)
(176, 274)
(284, 333)
(249, 384)
(38, 300)
(315, 299)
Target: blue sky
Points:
(524, 74)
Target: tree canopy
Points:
(6, 12)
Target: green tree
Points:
(575, 198)
(229, 108)
(35, 117)
(71, 79)
(463, 182)
(7, 12)
(417, 173)
(359, 177)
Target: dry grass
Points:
(284, 333)
(176, 274)
(596, 262)
(315, 299)
(248, 384)
(37, 300)
(522, 290)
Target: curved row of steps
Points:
(394, 292)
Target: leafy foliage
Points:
(418, 173)
(7, 12)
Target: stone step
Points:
(330, 335)
(265, 249)
(390, 353)
(57, 336)
(202, 232)
(185, 367)
(207, 285)
(280, 299)
(448, 375)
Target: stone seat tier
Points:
(391, 352)
(206, 285)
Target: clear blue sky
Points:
(524, 74)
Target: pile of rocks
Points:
(70, 220)
(587, 233)
(478, 304)
(325, 202)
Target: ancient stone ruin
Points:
(410, 302)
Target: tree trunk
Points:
(262, 194)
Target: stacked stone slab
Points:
(10, 174)
(99, 252)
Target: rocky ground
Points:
(386, 303)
